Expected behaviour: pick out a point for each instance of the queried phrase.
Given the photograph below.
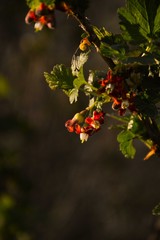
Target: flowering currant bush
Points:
(130, 84)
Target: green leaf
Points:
(73, 95)
(35, 3)
(114, 46)
(80, 80)
(60, 77)
(125, 136)
(156, 210)
(78, 62)
(101, 33)
(125, 139)
(157, 22)
(147, 59)
(140, 19)
(112, 51)
(136, 126)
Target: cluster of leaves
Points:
(140, 20)
(136, 56)
(70, 80)
(140, 25)
(131, 83)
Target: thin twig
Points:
(88, 28)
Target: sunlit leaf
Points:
(125, 139)
(80, 80)
(113, 51)
(101, 33)
(60, 77)
(157, 22)
(136, 126)
(73, 95)
(140, 19)
(78, 62)
(35, 3)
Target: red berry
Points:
(30, 17)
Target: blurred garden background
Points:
(52, 187)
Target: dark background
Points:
(52, 187)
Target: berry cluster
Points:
(115, 87)
(85, 126)
(42, 16)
